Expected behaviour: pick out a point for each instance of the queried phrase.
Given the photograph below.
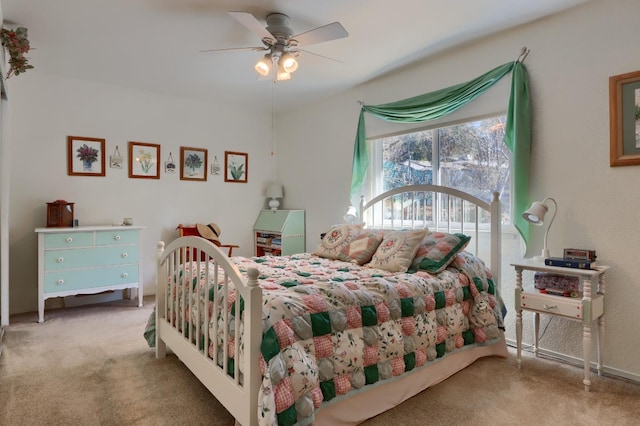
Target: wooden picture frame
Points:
(624, 119)
(144, 160)
(236, 166)
(85, 156)
(193, 163)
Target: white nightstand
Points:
(587, 309)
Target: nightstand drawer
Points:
(60, 281)
(556, 305)
(55, 260)
(68, 240)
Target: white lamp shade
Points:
(289, 63)
(263, 66)
(351, 215)
(535, 213)
(274, 190)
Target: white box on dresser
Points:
(87, 260)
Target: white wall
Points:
(46, 109)
(572, 56)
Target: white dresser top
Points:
(88, 228)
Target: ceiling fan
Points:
(281, 44)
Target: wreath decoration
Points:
(17, 45)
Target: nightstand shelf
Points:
(587, 309)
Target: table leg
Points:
(586, 348)
(536, 328)
(600, 327)
(518, 318)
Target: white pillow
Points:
(336, 238)
(397, 249)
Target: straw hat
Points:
(210, 231)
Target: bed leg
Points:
(161, 349)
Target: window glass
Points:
(469, 156)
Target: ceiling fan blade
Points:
(250, 21)
(322, 56)
(327, 32)
(234, 49)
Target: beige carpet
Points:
(91, 366)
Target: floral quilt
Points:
(332, 327)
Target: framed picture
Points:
(236, 166)
(170, 165)
(215, 166)
(115, 161)
(193, 163)
(85, 156)
(144, 160)
(624, 119)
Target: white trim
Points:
(577, 362)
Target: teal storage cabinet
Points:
(88, 260)
(279, 233)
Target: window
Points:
(469, 156)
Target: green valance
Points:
(441, 102)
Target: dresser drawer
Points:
(68, 239)
(55, 260)
(116, 237)
(60, 281)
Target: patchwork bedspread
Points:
(331, 327)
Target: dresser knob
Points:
(125, 275)
(125, 254)
(549, 307)
(60, 259)
(61, 281)
(69, 239)
(117, 237)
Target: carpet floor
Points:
(90, 365)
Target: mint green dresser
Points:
(279, 232)
(87, 260)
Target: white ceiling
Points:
(154, 45)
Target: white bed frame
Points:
(239, 394)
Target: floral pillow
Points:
(397, 250)
(362, 248)
(337, 238)
(438, 250)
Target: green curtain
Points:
(441, 102)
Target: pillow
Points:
(397, 250)
(338, 237)
(438, 250)
(361, 249)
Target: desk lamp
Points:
(535, 215)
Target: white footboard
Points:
(220, 344)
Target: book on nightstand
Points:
(570, 263)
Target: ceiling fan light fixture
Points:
(289, 63)
(263, 66)
(283, 75)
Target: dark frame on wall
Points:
(624, 119)
(193, 163)
(85, 156)
(145, 163)
(236, 166)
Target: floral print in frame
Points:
(193, 163)
(85, 156)
(236, 166)
(144, 160)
